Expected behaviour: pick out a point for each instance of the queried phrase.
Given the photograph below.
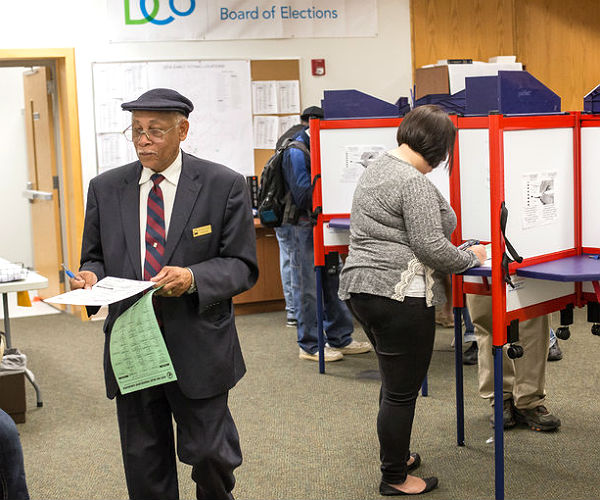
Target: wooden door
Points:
(42, 189)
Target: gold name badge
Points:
(199, 231)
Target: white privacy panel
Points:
(538, 190)
(346, 152)
(339, 170)
(530, 291)
(474, 155)
(440, 177)
(333, 236)
(590, 182)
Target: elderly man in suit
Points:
(185, 224)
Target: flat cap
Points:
(312, 112)
(160, 100)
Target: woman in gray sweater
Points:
(400, 250)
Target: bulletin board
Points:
(220, 125)
(273, 70)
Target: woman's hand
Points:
(480, 253)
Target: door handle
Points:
(33, 194)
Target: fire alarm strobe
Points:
(318, 67)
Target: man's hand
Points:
(83, 279)
(175, 281)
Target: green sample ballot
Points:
(138, 353)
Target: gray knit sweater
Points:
(400, 223)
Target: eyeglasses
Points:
(154, 134)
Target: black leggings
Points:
(402, 334)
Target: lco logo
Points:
(151, 17)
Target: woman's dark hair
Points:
(428, 131)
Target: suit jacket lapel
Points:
(130, 216)
(188, 188)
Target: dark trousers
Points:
(12, 469)
(207, 439)
(402, 334)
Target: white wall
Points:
(380, 66)
(15, 225)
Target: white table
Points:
(33, 281)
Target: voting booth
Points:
(524, 184)
(340, 152)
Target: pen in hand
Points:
(69, 273)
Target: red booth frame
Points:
(496, 124)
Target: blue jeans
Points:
(337, 320)
(12, 469)
(285, 237)
(469, 335)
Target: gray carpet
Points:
(305, 435)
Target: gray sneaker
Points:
(554, 353)
(354, 347)
(537, 419)
(328, 355)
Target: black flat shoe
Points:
(416, 462)
(389, 491)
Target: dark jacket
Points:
(199, 328)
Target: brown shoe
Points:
(537, 419)
(508, 416)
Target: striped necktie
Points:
(155, 230)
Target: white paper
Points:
(266, 131)
(359, 157)
(539, 199)
(458, 72)
(288, 96)
(264, 97)
(103, 293)
(287, 122)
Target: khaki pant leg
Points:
(530, 370)
(480, 307)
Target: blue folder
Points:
(511, 92)
(348, 104)
(451, 103)
(591, 102)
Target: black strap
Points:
(506, 260)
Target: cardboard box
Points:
(12, 396)
(450, 78)
(432, 80)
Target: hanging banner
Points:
(159, 20)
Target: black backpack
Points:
(290, 133)
(275, 205)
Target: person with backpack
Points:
(284, 232)
(337, 321)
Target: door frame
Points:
(68, 145)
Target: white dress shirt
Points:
(168, 187)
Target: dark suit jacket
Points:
(199, 328)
